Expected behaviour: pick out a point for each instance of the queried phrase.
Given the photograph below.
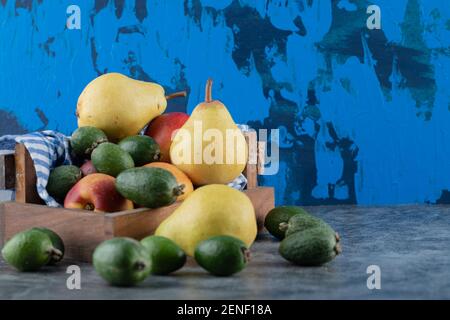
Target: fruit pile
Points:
(119, 169)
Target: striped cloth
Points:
(48, 149)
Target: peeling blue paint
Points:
(363, 113)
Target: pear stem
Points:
(176, 95)
(208, 90)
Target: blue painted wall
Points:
(364, 114)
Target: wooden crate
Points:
(83, 230)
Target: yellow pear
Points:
(119, 105)
(209, 147)
(209, 211)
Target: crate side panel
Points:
(137, 224)
(263, 199)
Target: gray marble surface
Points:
(410, 244)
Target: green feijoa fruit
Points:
(110, 159)
(222, 255)
(85, 139)
(149, 187)
(299, 223)
(166, 256)
(61, 180)
(311, 247)
(57, 243)
(122, 261)
(143, 149)
(30, 250)
(279, 215)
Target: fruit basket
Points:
(82, 231)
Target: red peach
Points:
(161, 129)
(96, 192)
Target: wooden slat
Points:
(137, 223)
(251, 171)
(25, 177)
(7, 170)
(263, 199)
